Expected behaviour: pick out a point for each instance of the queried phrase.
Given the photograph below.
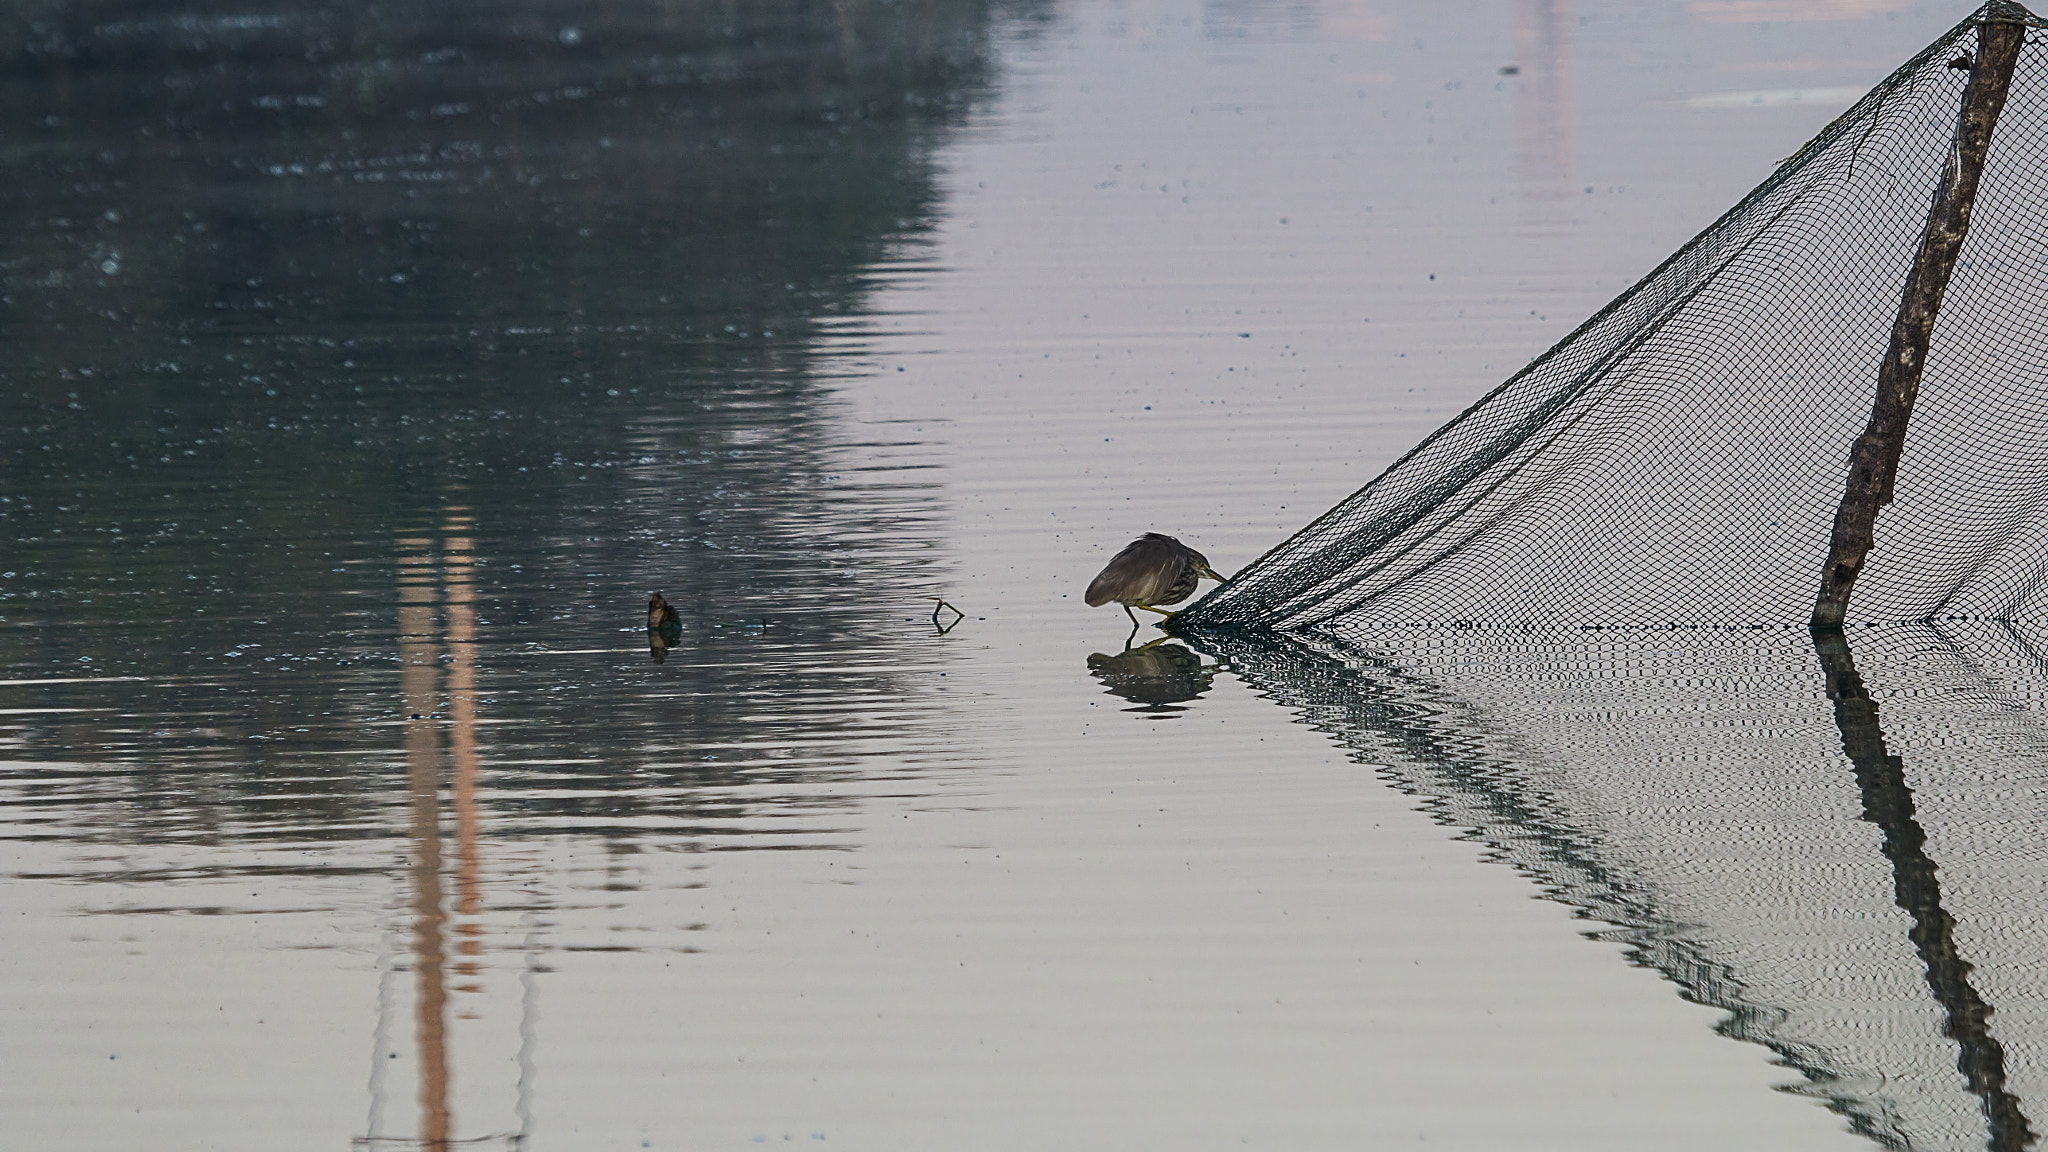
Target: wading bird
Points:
(1150, 571)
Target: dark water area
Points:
(364, 369)
(333, 332)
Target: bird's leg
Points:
(1164, 615)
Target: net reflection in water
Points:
(1839, 848)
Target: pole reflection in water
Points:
(1888, 803)
(438, 683)
(1676, 786)
(1157, 677)
(419, 676)
(457, 563)
(1543, 124)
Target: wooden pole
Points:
(1874, 458)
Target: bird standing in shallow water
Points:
(1150, 571)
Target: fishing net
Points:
(1714, 801)
(1679, 459)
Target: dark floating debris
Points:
(664, 627)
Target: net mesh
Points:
(1679, 458)
(1696, 791)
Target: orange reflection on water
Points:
(437, 680)
(419, 684)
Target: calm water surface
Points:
(364, 372)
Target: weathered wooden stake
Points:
(1874, 458)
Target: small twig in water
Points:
(942, 606)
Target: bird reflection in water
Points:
(1157, 677)
(664, 627)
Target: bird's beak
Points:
(1210, 573)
